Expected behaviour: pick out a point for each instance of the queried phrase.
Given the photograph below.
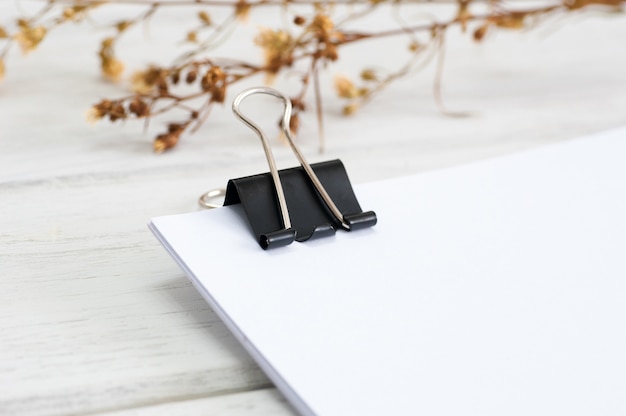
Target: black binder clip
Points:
(301, 203)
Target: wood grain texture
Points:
(95, 317)
(260, 402)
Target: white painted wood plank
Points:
(259, 402)
(95, 315)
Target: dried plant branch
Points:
(194, 82)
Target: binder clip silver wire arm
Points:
(347, 216)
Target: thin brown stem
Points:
(318, 106)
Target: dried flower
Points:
(345, 87)
(214, 83)
(277, 48)
(165, 141)
(113, 109)
(480, 32)
(323, 30)
(191, 76)
(204, 17)
(322, 24)
(98, 111)
(328, 51)
(170, 139)
(415, 46)
(368, 75)
(76, 12)
(175, 77)
(111, 67)
(242, 10)
(192, 36)
(93, 115)
(138, 83)
(29, 37)
(316, 40)
(139, 107)
(123, 25)
(69, 13)
(117, 111)
(350, 109)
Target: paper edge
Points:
(290, 394)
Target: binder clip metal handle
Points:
(287, 235)
(349, 219)
(270, 157)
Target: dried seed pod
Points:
(139, 108)
(165, 141)
(192, 75)
(117, 111)
(242, 10)
(175, 77)
(480, 32)
(192, 36)
(350, 109)
(345, 87)
(368, 75)
(175, 127)
(123, 25)
(204, 17)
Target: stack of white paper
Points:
(496, 288)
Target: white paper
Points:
(496, 288)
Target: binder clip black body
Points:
(296, 204)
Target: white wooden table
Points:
(96, 318)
